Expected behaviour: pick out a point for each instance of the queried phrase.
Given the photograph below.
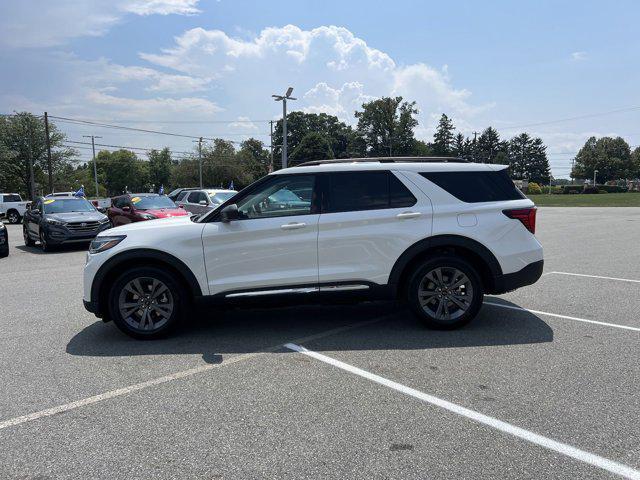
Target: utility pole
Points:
(473, 149)
(200, 159)
(95, 168)
(594, 177)
(46, 130)
(32, 183)
(271, 148)
(283, 99)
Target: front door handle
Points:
(406, 215)
(292, 226)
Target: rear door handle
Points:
(292, 226)
(406, 215)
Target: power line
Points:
(568, 119)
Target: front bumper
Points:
(59, 234)
(511, 281)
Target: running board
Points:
(288, 291)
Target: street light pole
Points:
(283, 99)
(95, 168)
(594, 177)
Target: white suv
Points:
(435, 233)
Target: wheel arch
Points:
(471, 250)
(109, 272)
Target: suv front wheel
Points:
(445, 292)
(146, 302)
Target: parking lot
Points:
(544, 384)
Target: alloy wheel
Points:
(445, 293)
(146, 303)
(13, 217)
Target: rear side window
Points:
(476, 187)
(354, 191)
(12, 198)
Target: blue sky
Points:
(183, 65)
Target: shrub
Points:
(613, 188)
(572, 189)
(534, 189)
(590, 189)
(601, 190)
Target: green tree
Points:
(160, 165)
(340, 136)
(22, 137)
(611, 157)
(443, 139)
(528, 159)
(387, 126)
(253, 159)
(488, 146)
(312, 147)
(121, 171)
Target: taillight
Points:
(526, 215)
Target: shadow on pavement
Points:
(69, 247)
(251, 330)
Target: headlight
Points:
(53, 221)
(100, 244)
(147, 216)
(104, 220)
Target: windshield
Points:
(148, 203)
(67, 205)
(221, 197)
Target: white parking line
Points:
(563, 448)
(566, 317)
(594, 276)
(168, 378)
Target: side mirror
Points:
(228, 213)
(202, 202)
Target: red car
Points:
(137, 207)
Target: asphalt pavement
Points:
(545, 383)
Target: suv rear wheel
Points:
(445, 292)
(13, 216)
(146, 302)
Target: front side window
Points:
(356, 191)
(197, 197)
(12, 198)
(277, 198)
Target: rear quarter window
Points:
(476, 187)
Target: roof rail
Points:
(384, 160)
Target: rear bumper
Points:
(511, 281)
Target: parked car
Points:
(12, 206)
(435, 234)
(173, 195)
(60, 220)
(137, 207)
(203, 201)
(4, 240)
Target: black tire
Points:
(44, 242)
(423, 291)
(176, 293)
(13, 216)
(27, 239)
(4, 252)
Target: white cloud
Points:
(47, 23)
(578, 56)
(336, 70)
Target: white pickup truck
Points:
(12, 206)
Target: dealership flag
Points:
(80, 192)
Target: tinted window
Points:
(276, 198)
(12, 198)
(355, 191)
(221, 197)
(400, 196)
(181, 195)
(196, 197)
(474, 187)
